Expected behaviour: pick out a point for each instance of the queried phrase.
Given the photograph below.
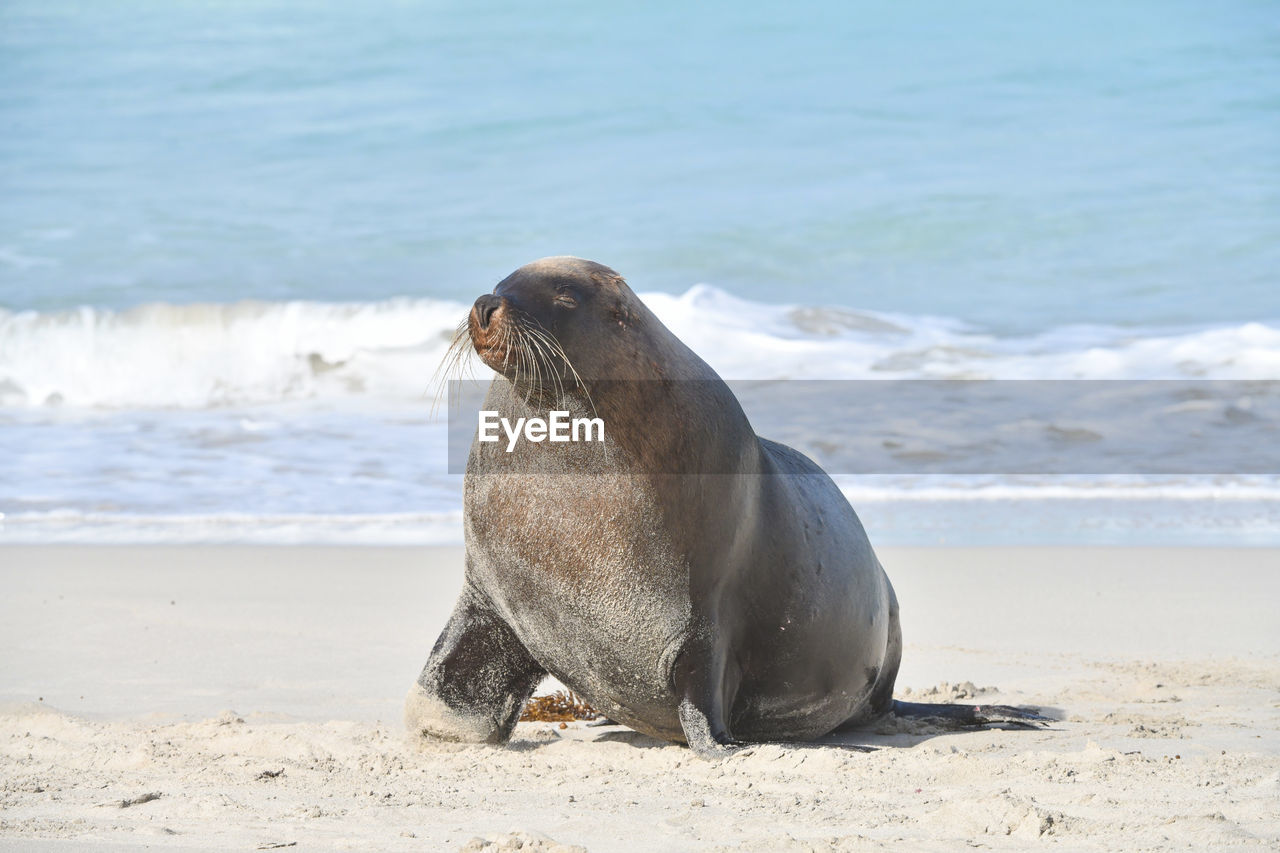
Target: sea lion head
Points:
(554, 321)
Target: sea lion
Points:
(688, 578)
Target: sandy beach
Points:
(240, 698)
(1006, 273)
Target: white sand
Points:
(1164, 664)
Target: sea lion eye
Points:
(566, 299)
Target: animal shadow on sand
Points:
(914, 725)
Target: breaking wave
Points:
(210, 355)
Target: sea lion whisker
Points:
(541, 364)
(549, 342)
(524, 358)
(456, 355)
(558, 351)
(547, 347)
(549, 356)
(543, 355)
(524, 331)
(533, 368)
(577, 378)
(520, 356)
(506, 349)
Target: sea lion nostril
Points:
(484, 308)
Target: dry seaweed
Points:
(559, 707)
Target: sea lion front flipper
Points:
(699, 680)
(705, 737)
(476, 680)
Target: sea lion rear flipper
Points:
(476, 680)
(971, 716)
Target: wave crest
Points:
(194, 356)
(205, 355)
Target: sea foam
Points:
(211, 355)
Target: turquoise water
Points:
(234, 236)
(1009, 164)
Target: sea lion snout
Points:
(486, 327)
(484, 309)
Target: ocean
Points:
(235, 236)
